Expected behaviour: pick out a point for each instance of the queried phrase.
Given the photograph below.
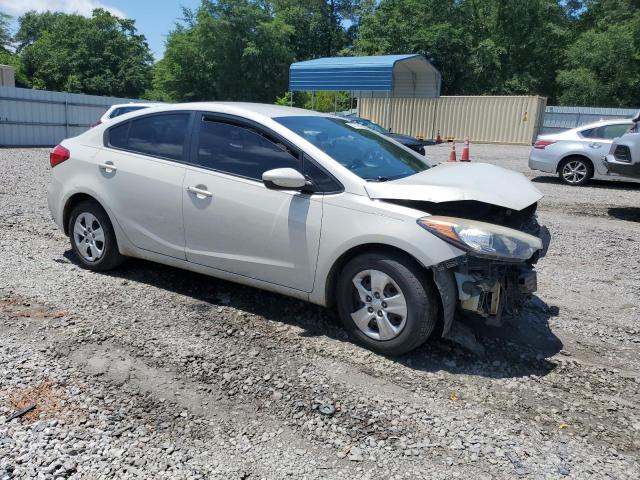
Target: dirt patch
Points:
(18, 307)
(48, 400)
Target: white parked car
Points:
(120, 109)
(304, 204)
(576, 154)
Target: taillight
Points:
(542, 144)
(58, 155)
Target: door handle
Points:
(200, 192)
(595, 145)
(108, 167)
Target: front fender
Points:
(345, 228)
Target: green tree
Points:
(101, 55)
(33, 25)
(7, 55)
(318, 26)
(5, 31)
(480, 46)
(321, 101)
(430, 27)
(602, 64)
(226, 50)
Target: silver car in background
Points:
(576, 155)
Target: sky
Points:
(154, 18)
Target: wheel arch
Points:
(69, 205)
(125, 247)
(342, 260)
(568, 157)
(331, 284)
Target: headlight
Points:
(483, 239)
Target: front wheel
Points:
(386, 302)
(575, 171)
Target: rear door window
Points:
(241, 150)
(157, 135)
(609, 132)
(606, 132)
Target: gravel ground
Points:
(152, 372)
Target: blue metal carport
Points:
(409, 75)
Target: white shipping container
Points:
(484, 119)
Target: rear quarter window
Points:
(122, 110)
(588, 133)
(118, 135)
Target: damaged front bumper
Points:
(493, 290)
(490, 289)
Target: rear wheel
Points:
(386, 302)
(92, 238)
(575, 171)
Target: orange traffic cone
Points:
(465, 151)
(438, 137)
(452, 155)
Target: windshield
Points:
(365, 153)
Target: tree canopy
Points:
(602, 65)
(101, 55)
(481, 46)
(5, 32)
(225, 50)
(581, 52)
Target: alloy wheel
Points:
(574, 171)
(379, 306)
(88, 236)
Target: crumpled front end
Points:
(487, 212)
(493, 289)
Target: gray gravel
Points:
(152, 372)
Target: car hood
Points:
(404, 139)
(449, 182)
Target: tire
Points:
(92, 238)
(404, 276)
(575, 171)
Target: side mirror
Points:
(284, 179)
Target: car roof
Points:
(602, 123)
(136, 104)
(243, 108)
(572, 133)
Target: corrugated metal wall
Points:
(515, 120)
(557, 119)
(7, 76)
(31, 118)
